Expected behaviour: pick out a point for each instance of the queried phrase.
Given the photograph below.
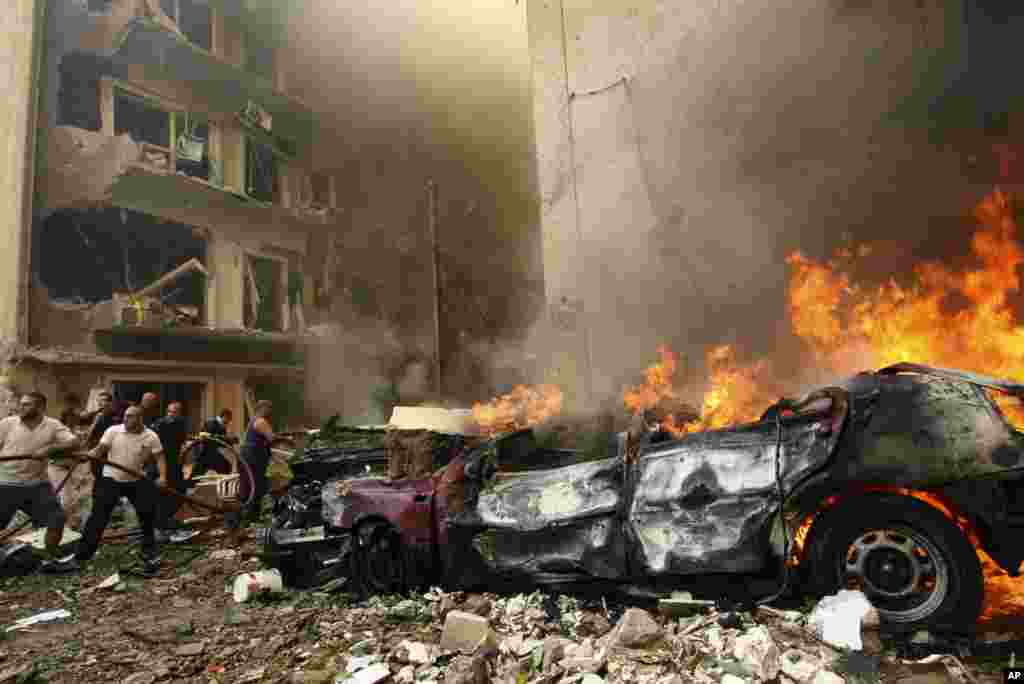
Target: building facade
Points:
(163, 226)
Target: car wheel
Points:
(380, 559)
(912, 562)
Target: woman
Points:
(256, 453)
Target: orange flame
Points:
(523, 407)
(734, 393)
(943, 318)
(657, 384)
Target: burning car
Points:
(886, 483)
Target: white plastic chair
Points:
(228, 488)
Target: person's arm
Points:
(156, 450)
(63, 439)
(262, 426)
(100, 451)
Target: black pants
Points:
(143, 497)
(258, 462)
(168, 505)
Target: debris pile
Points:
(474, 639)
(186, 624)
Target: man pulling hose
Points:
(133, 446)
(24, 484)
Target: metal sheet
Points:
(594, 547)
(925, 430)
(538, 500)
(702, 504)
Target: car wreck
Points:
(894, 472)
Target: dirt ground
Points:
(184, 626)
(181, 626)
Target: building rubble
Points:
(185, 625)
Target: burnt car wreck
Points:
(869, 466)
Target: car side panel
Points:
(705, 503)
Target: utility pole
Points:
(432, 221)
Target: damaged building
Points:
(196, 184)
(166, 244)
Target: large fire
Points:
(944, 317)
(523, 407)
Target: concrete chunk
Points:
(466, 632)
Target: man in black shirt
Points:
(210, 456)
(172, 430)
(102, 419)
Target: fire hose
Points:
(83, 458)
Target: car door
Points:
(704, 503)
(560, 522)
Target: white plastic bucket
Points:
(254, 583)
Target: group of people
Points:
(133, 455)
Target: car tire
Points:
(380, 559)
(299, 570)
(914, 564)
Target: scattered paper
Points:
(48, 616)
(37, 538)
(110, 582)
(252, 676)
(837, 619)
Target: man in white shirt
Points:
(133, 446)
(25, 484)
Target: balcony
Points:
(162, 53)
(202, 345)
(84, 168)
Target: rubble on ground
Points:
(184, 626)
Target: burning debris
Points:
(735, 393)
(523, 407)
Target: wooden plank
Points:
(154, 287)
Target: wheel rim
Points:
(901, 571)
(379, 553)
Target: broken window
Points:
(192, 146)
(179, 136)
(265, 293)
(260, 171)
(193, 20)
(146, 123)
(78, 95)
(124, 251)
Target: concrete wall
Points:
(17, 111)
(683, 148)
